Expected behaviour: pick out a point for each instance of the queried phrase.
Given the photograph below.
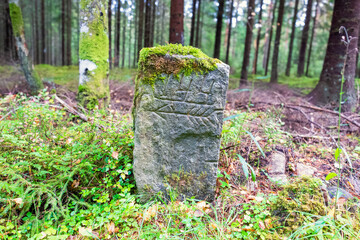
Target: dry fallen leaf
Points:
(115, 154)
(86, 232)
(18, 200)
(150, 212)
(262, 225)
(268, 223)
(198, 213)
(111, 228)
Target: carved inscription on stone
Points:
(177, 130)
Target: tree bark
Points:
(43, 39)
(109, 26)
(304, 40)
(258, 39)
(248, 39)
(197, 38)
(312, 37)
(123, 40)
(9, 47)
(153, 22)
(32, 78)
(140, 26)
(268, 48)
(94, 54)
(327, 92)
(229, 32)
(147, 32)
(117, 35)
(176, 30)
(63, 25)
(274, 66)
(219, 24)
(192, 30)
(68, 32)
(292, 37)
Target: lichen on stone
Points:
(172, 59)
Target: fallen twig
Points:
(71, 109)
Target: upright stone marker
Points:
(178, 114)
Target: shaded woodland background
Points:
(52, 31)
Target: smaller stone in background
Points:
(277, 167)
(303, 169)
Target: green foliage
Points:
(52, 164)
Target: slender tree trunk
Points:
(136, 20)
(292, 36)
(192, 31)
(270, 39)
(109, 26)
(312, 37)
(117, 35)
(229, 32)
(31, 76)
(248, 39)
(327, 92)
(123, 41)
(274, 66)
(63, 24)
(304, 39)
(43, 40)
(10, 51)
(147, 34)
(94, 54)
(68, 32)
(219, 24)
(140, 26)
(153, 22)
(357, 57)
(176, 30)
(162, 41)
(197, 38)
(258, 38)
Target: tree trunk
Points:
(219, 24)
(248, 39)
(68, 32)
(197, 38)
(9, 48)
(258, 39)
(327, 92)
(147, 34)
(357, 57)
(43, 48)
(129, 46)
(268, 48)
(274, 66)
(94, 54)
(153, 21)
(140, 26)
(123, 40)
(229, 32)
(176, 31)
(162, 41)
(63, 24)
(109, 26)
(117, 35)
(312, 37)
(292, 36)
(304, 40)
(192, 31)
(31, 76)
(136, 19)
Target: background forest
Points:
(289, 164)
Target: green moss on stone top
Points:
(16, 19)
(172, 59)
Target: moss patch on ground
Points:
(168, 59)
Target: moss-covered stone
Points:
(16, 19)
(172, 59)
(94, 49)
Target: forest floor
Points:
(264, 125)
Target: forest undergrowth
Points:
(66, 176)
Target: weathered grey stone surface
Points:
(178, 123)
(303, 170)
